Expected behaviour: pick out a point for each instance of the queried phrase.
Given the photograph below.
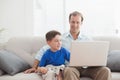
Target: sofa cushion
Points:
(22, 54)
(11, 63)
(1, 72)
(25, 47)
(22, 76)
(113, 61)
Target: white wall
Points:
(48, 15)
(16, 17)
(36, 17)
(101, 17)
(117, 16)
(98, 15)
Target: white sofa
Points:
(27, 47)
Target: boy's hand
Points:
(42, 70)
(30, 70)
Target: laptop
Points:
(89, 53)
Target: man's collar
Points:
(69, 35)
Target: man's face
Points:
(55, 43)
(75, 23)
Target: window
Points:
(101, 17)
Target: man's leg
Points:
(97, 73)
(71, 73)
(103, 73)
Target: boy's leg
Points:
(60, 76)
(50, 75)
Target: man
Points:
(74, 73)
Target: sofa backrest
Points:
(114, 41)
(25, 47)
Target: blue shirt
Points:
(66, 43)
(55, 58)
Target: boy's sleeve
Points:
(43, 61)
(67, 55)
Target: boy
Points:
(54, 58)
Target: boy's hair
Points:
(51, 34)
(76, 13)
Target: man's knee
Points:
(103, 73)
(71, 74)
(71, 71)
(67, 70)
(106, 70)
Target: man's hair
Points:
(51, 34)
(76, 13)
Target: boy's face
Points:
(55, 43)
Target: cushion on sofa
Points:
(113, 61)
(11, 63)
(23, 55)
(22, 47)
(1, 72)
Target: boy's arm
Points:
(36, 63)
(37, 59)
(42, 70)
(34, 68)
